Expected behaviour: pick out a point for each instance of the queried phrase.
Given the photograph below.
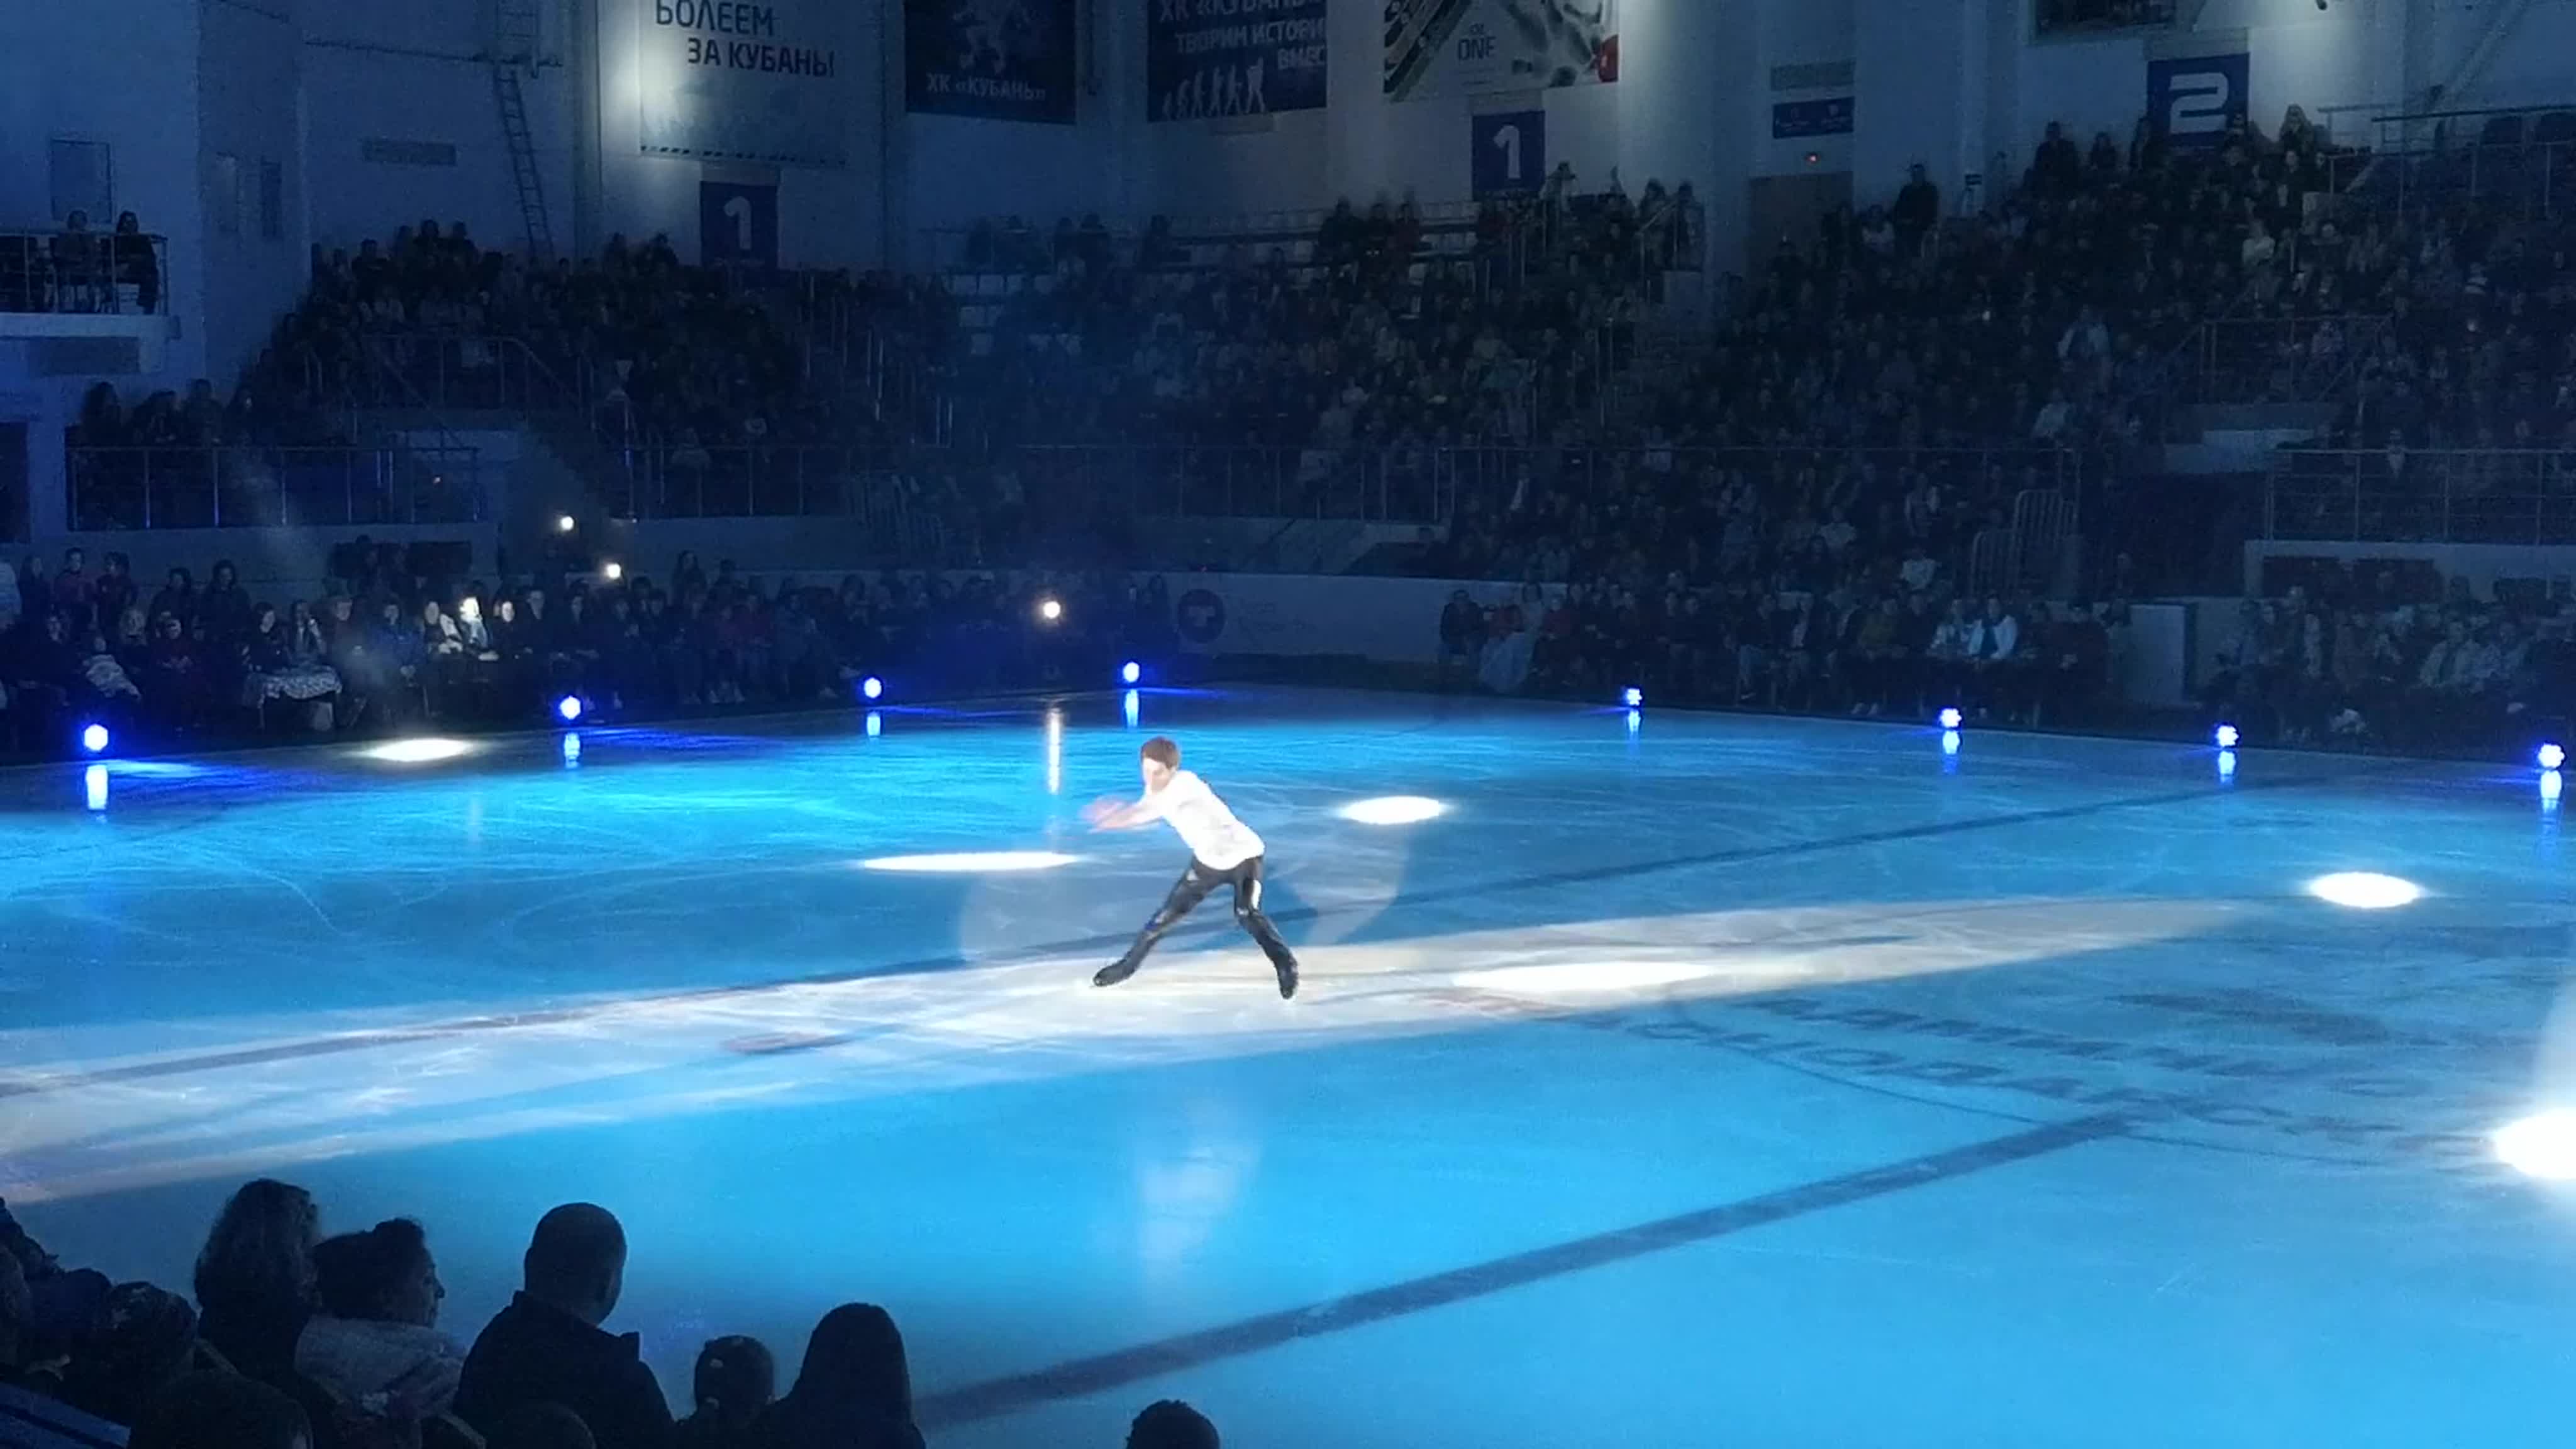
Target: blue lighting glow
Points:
(1949, 739)
(1951, 718)
(2224, 736)
(1635, 718)
(94, 738)
(1130, 672)
(1132, 706)
(2551, 756)
(568, 708)
(2550, 784)
(871, 688)
(2226, 764)
(94, 785)
(1632, 697)
(876, 725)
(571, 749)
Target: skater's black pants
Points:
(1193, 887)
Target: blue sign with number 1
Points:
(1509, 152)
(737, 225)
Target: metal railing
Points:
(2521, 161)
(453, 373)
(142, 487)
(84, 271)
(2353, 495)
(2279, 359)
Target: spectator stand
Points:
(2402, 495)
(2519, 161)
(80, 271)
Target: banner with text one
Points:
(1001, 60)
(743, 80)
(1476, 47)
(1211, 58)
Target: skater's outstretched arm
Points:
(1111, 813)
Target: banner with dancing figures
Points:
(1474, 47)
(743, 80)
(1003, 60)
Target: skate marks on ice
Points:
(288, 1092)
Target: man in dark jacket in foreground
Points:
(547, 1347)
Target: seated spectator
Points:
(215, 1410)
(17, 1321)
(541, 1426)
(145, 1341)
(375, 1344)
(1172, 1424)
(736, 1381)
(255, 1278)
(854, 1390)
(547, 1347)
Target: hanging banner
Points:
(743, 80)
(2197, 101)
(1208, 58)
(1003, 60)
(1473, 47)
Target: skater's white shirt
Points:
(1210, 830)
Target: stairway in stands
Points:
(516, 30)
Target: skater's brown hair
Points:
(1162, 752)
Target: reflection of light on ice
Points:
(1581, 976)
(295, 1088)
(1393, 810)
(2542, 1145)
(2362, 890)
(970, 862)
(417, 752)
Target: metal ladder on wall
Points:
(515, 31)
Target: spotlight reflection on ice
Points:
(2362, 890)
(2542, 1145)
(970, 862)
(1949, 742)
(1393, 810)
(1055, 751)
(94, 786)
(572, 748)
(425, 751)
(1575, 978)
(876, 724)
(1133, 706)
(2227, 764)
(2550, 786)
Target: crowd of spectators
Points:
(76, 268)
(2394, 656)
(292, 1340)
(401, 635)
(1761, 580)
(1367, 333)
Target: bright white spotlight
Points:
(2224, 736)
(1132, 706)
(1949, 742)
(94, 738)
(970, 862)
(1050, 610)
(568, 708)
(1633, 697)
(1951, 718)
(2362, 890)
(876, 724)
(871, 688)
(612, 571)
(2542, 1145)
(2227, 764)
(1393, 810)
(1130, 672)
(1577, 978)
(94, 787)
(2551, 757)
(564, 523)
(417, 752)
(572, 749)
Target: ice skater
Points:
(1223, 851)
